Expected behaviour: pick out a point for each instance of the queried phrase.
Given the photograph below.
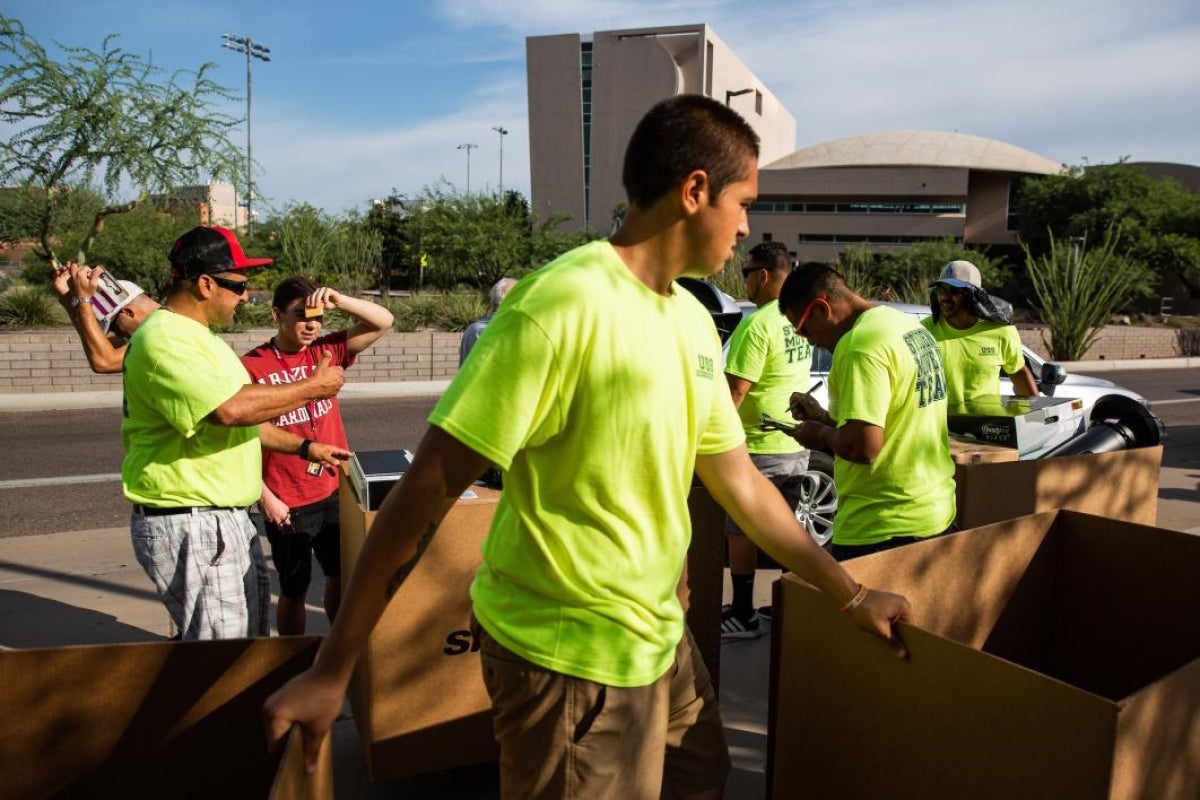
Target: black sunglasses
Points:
(237, 287)
(746, 271)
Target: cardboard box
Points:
(963, 451)
(1119, 485)
(159, 719)
(417, 693)
(1032, 425)
(1057, 656)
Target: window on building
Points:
(758, 102)
(1016, 188)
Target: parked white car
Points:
(818, 503)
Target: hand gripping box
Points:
(149, 720)
(1053, 656)
(417, 693)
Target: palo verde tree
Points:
(104, 120)
(1079, 288)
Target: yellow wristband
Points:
(856, 601)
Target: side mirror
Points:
(1052, 375)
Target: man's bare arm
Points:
(855, 441)
(75, 284)
(759, 509)
(255, 403)
(371, 319)
(1023, 383)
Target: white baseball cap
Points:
(111, 296)
(961, 275)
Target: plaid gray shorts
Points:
(209, 570)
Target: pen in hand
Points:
(811, 389)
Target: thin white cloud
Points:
(355, 167)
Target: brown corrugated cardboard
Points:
(1119, 485)
(1057, 655)
(161, 719)
(418, 695)
(292, 782)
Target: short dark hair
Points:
(772, 255)
(293, 288)
(809, 280)
(682, 134)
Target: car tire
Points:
(818, 499)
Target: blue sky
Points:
(361, 97)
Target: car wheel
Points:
(818, 499)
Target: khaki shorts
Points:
(566, 737)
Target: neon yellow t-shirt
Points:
(887, 372)
(974, 357)
(595, 395)
(176, 373)
(766, 351)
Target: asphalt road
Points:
(62, 469)
(73, 458)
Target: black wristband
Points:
(303, 451)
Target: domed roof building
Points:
(890, 189)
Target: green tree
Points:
(305, 236)
(135, 244)
(1159, 219)
(1078, 289)
(356, 253)
(476, 240)
(103, 120)
(905, 276)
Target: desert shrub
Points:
(30, 307)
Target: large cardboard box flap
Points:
(1055, 655)
(182, 719)
(1119, 485)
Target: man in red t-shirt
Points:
(300, 497)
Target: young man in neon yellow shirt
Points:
(598, 390)
(767, 361)
(976, 339)
(886, 424)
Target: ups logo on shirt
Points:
(988, 350)
(704, 367)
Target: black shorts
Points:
(315, 529)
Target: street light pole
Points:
(468, 148)
(252, 50)
(503, 132)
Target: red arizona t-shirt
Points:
(320, 420)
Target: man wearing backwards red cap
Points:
(193, 461)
